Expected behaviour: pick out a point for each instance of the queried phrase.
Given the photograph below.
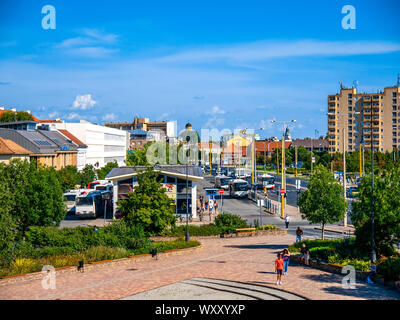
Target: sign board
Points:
(221, 191)
(282, 191)
(313, 159)
(260, 203)
(298, 184)
(211, 192)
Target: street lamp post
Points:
(283, 177)
(187, 236)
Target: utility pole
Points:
(373, 253)
(311, 155)
(283, 174)
(295, 158)
(344, 171)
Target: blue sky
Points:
(219, 64)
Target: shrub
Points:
(267, 227)
(179, 243)
(390, 268)
(24, 265)
(203, 230)
(229, 222)
(104, 253)
(361, 265)
(322, 253)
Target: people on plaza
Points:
(95, 229)
(279, 269)
(201, 198)
(210, 206)
(371, 273)
(287, 220)
(215, 206)
(307, 257)
(299, 234)
(303, 252)
(286, 259)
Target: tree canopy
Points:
(386, 207)
(148, 205)
(10, 116)
(323, 201)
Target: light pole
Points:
(283, 180)
(187, 236)
(253, 152)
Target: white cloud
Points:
(216, 110)
(74, 116)
(83, 102)
(53, 115)
(109, 117)
(264, 50)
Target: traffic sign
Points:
(298, 184)
(211, 192)
(282, 192)
(221, 191)
(260, 203)
(313, 159)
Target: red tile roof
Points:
(270, 145)
(70, 136)
(50, 121)
(10, 147)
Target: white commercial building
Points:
(103, 144)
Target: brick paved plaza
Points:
(247, 259)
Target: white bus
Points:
(242, 173)
(222, 182)
(266, 180)
(92, 204)
(238, 188)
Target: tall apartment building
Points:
(357, 118)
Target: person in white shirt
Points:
(287, 220)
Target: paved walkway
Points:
(249, 260)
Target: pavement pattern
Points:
(249, 260)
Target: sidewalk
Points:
(339, 229)
(249, 260)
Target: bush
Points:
(229, 222)
(24, 265)
(390, 268)
(267, 227)
(203, 230)
(176, 244)
(361, 265)
(105, 253)
(322, 253)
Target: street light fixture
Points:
(285, 124)
(187, 236)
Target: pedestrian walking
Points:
(95, 229)
(371, 273)
(287, 220)
(286, 259)
(299, 234)
(210, 206)
(215, 206)
(279, 269)
(201, 200)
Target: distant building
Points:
(364, 119)
(167, 128)
(10, 150)
(173, 179)
(103, 144)
(318, 145)
(49, 148)
(268, 147)
(138, 138)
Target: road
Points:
(248, 210)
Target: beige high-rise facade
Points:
(356, 119)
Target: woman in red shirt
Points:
(279, 269)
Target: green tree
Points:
(8, 226)
(323, 201)
(10, 116)
(88, 174)
(69, 176)
(148, 205)
(386, 212)
(36, 193)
